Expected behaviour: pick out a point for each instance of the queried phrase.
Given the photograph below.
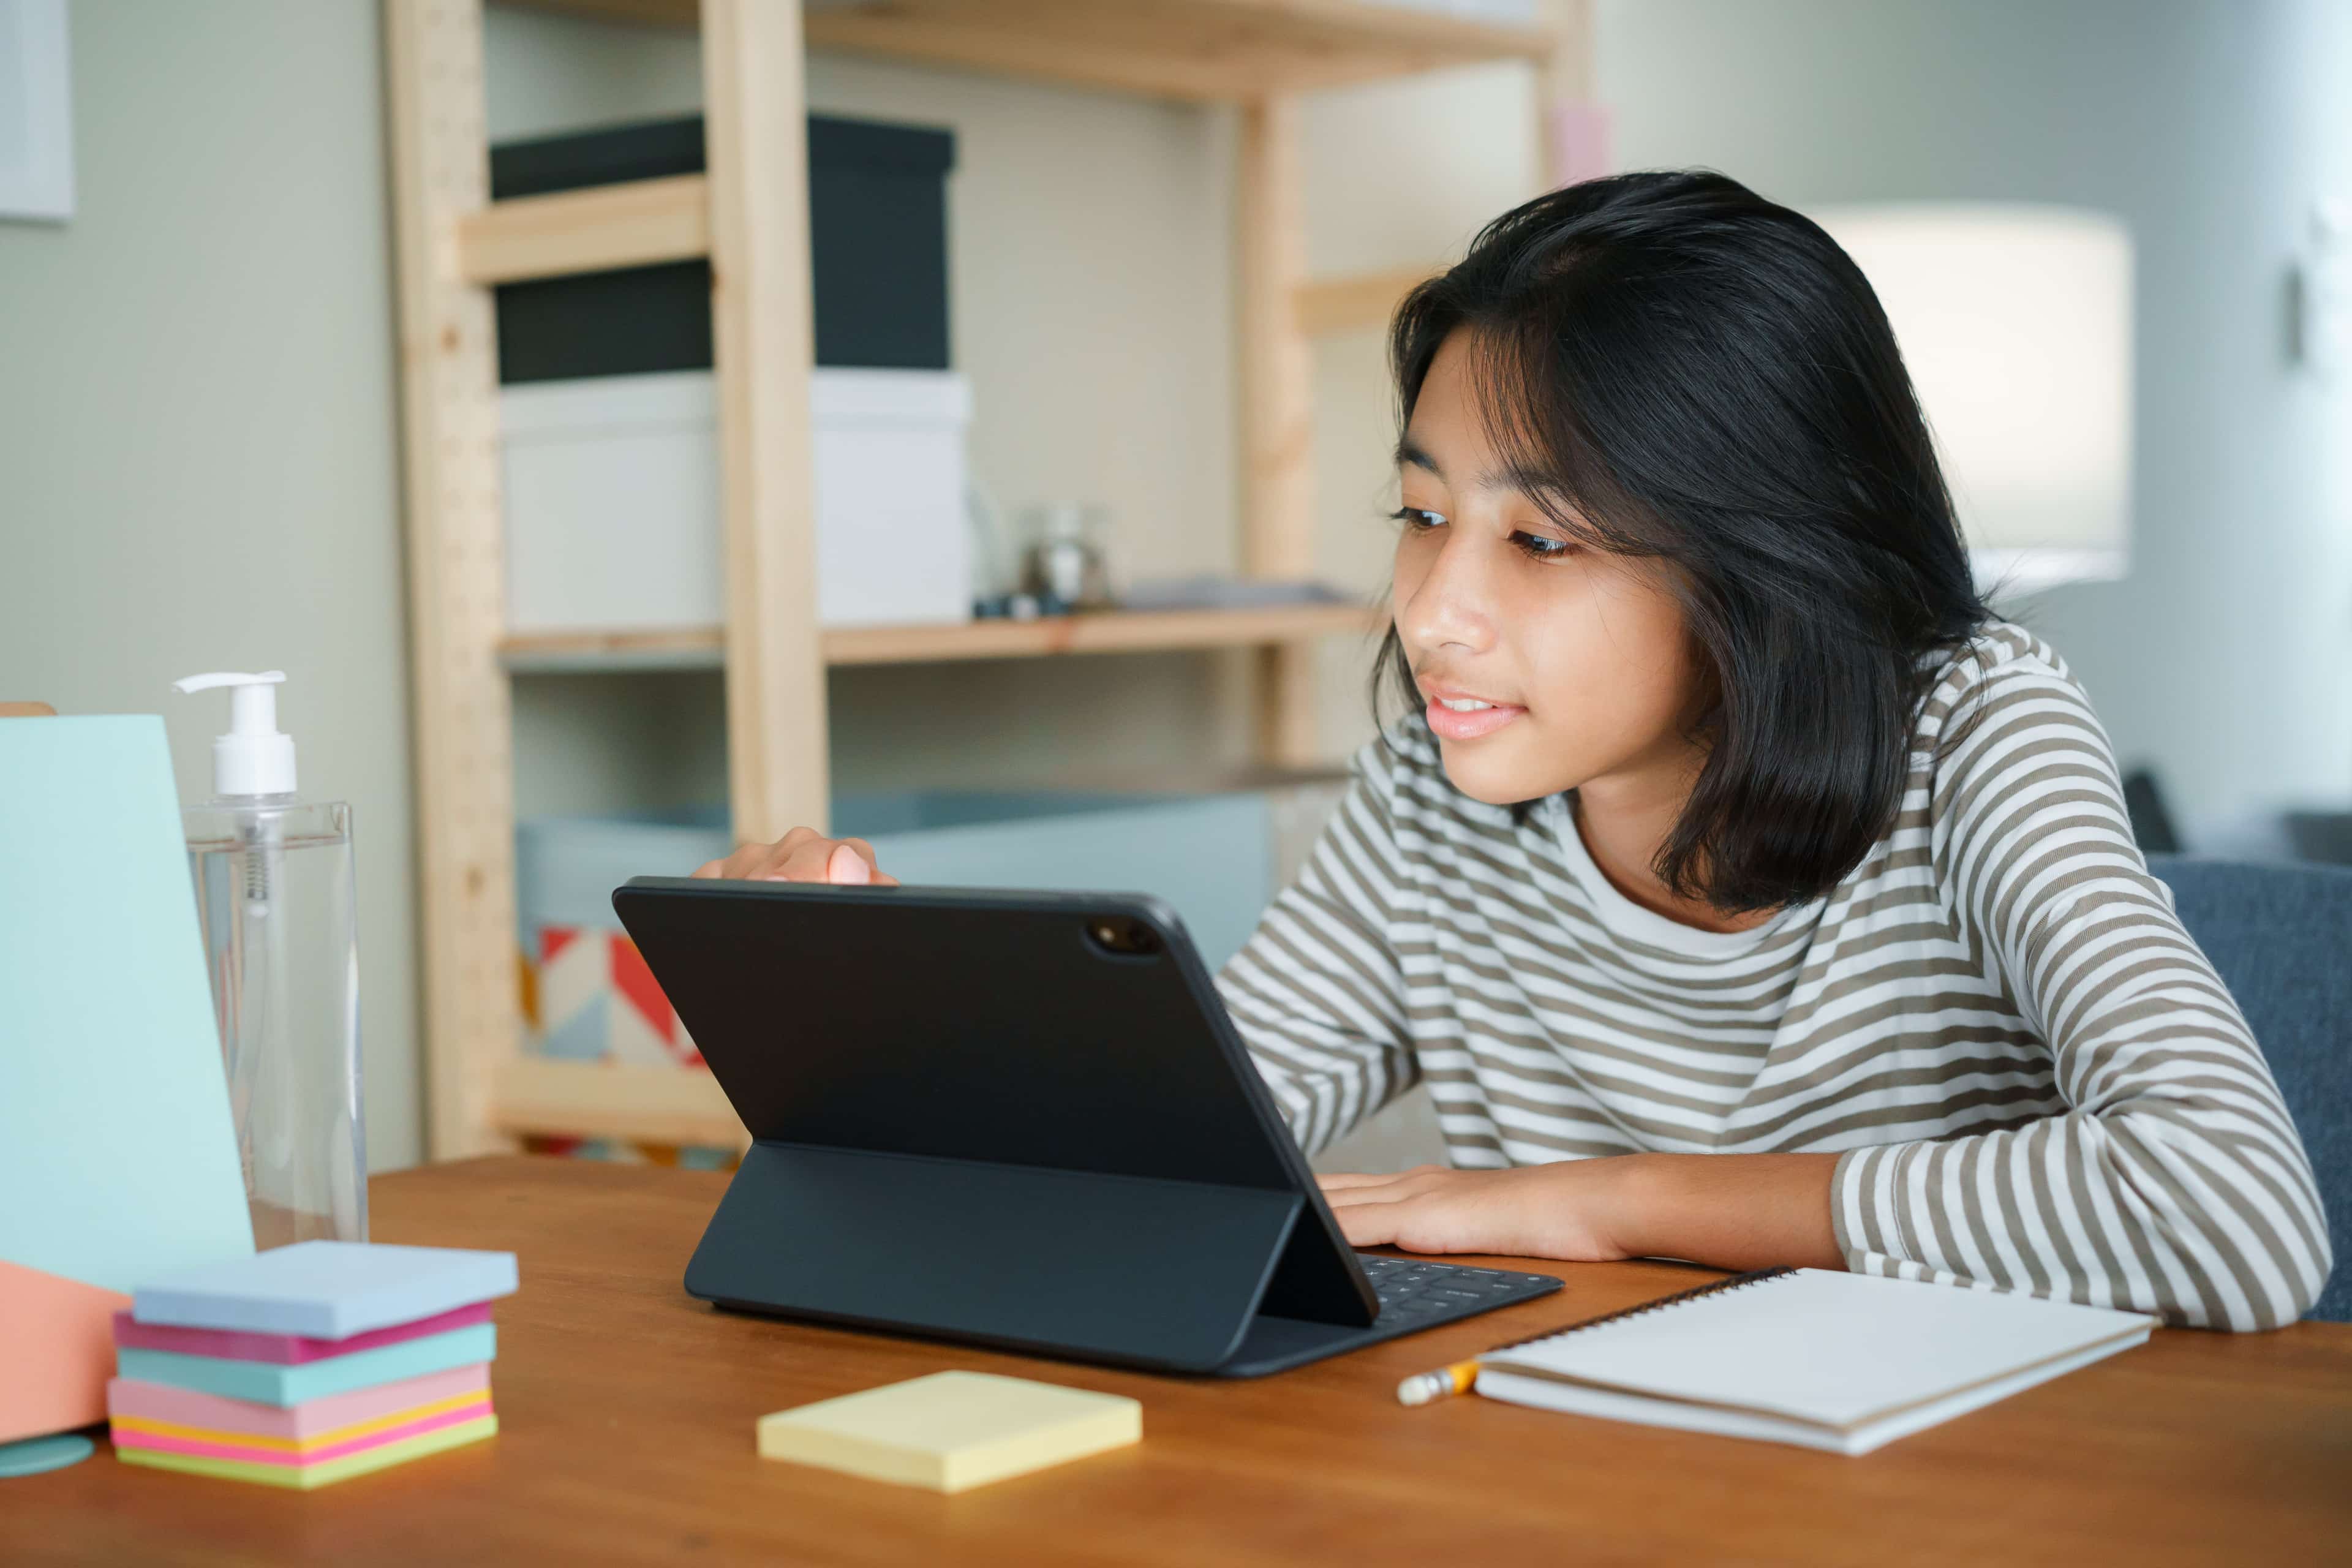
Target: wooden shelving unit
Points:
(749, 214)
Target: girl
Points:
(1742, 891)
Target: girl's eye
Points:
(1538, 546)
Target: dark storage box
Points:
(879, 243)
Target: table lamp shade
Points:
(2016, 324)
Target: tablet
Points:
(1019, 1119)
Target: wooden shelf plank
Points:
(1202, 50)
(688, 647)
(568, 652)
(631, 224)
(555, 1098)
(1365, 301)
(1110, 632)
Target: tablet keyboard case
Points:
(1077, 1170)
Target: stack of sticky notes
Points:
(952, 1429)
(308, 1364)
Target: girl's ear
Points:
(1702, 714)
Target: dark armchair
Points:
(2281, 936)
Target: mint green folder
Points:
(268, 1383)
(118, 1163)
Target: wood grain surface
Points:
(626, 1414)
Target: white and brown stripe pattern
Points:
(2036, 1079)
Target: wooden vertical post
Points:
(1278, 409)
(755, 125)
(1567, 71)
(457, 574)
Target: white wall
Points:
(2210, 126)
(197, 428)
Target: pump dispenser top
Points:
(253, 757)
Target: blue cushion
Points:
(2280, 937)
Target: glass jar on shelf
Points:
(1065, 565)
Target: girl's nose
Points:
(1451, 606)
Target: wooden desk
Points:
(627, 1411)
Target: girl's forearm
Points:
(1733, 1211)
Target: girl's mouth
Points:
(1468, 718)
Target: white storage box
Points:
(612, 501)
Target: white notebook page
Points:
(1838, 1349)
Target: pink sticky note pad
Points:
(283, 1350)
(131, 1398)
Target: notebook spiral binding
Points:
(1736, 1282)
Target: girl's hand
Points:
(1563, 1210)
(804, 855)
(1729, 1211)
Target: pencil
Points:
(1428, 1386)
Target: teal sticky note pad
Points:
(117, 1153)
(269, 1382)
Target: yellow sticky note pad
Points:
(951, 1430)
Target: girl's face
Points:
(1544, 664)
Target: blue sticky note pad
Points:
(268, 1383)
(326, 1289)
(118, 1160)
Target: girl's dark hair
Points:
(1690, 373)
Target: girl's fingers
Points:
(750, 859)
(803, 855)
(1355, 1197)
(806, 862)
(1338, 1181)
(1368, 1224)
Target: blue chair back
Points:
(2280, 937)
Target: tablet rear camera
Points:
(1118, 934)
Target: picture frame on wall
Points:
(36, 183)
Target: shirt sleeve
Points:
(2174, 1183)
(1316, 993)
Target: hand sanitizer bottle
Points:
(274, 894)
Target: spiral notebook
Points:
(1841, 1361)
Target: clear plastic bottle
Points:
(274, 897)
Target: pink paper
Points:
(185, 1407)
(1582, 142)
(283, 1350)
(123, 1438)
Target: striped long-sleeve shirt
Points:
(2032, 1076)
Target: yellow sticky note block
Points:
(951, 1430)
